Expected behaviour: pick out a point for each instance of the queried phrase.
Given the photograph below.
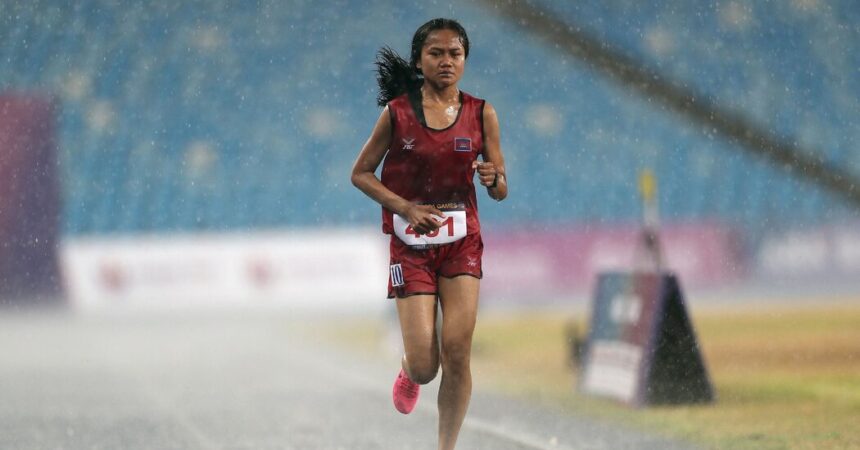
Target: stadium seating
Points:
(217, 115)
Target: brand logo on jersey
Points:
(396, 275)
(408, 144)
(462, 144)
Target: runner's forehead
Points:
(444, 39)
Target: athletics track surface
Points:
(237, 380)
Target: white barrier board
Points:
(323, 269)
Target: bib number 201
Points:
(453, 229)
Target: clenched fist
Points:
(487, 173)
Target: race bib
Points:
(453, 229)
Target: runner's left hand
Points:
(487, 172)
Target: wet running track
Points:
(237, 380)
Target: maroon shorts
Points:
(415, 271)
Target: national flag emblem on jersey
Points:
(396, 275)
(462, 144)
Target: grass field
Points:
(786, 377)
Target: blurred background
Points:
(210, 124)
(170, 154)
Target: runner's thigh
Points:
(418, 325)
(459, 298)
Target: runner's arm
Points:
(492, 171)
(365, 179)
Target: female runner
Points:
(431, 134)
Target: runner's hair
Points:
(395, 76)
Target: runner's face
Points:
(443, 58)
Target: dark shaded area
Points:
(29, 200)
(678, 372)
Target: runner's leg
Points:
(417, 315)
(459, 299)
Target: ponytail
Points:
(394, 75)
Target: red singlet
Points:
(429, 166)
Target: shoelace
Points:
(408, 387)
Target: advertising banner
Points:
(568, 260)
(322, 269)
(642, 348)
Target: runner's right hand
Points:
(422, 219)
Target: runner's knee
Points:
(455, 355)
(424, 371)
(422, 361)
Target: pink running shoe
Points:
(405, 393)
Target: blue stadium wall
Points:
(216, 115)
